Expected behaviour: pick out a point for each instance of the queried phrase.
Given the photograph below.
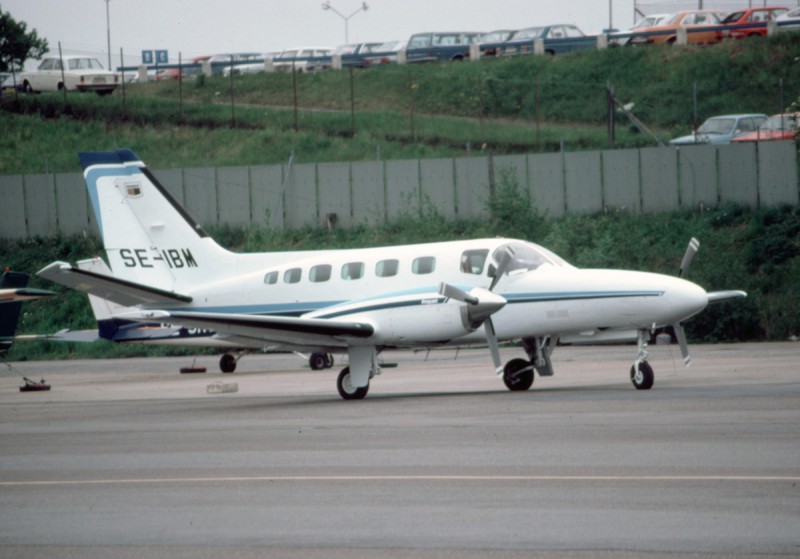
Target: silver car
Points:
(722, 129)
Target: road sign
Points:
(161, 57)
(147, 57)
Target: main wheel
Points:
(518, 375)
(642, 378)
(346, 388)
(317, 361)
(227, 363)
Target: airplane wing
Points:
(719, 296)
(23, 294)
(282, 330)
(66, 335)
(123, 292)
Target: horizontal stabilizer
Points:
(119, 291)
(80, 336)
(272, 329)
(719, 296)
(23, 294)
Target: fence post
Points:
(538, 46)
(475, 52)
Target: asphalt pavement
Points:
(130, 458)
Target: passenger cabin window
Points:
(472, 261)
(271, 278)
(387, 268)
(320, 273)
(423, 265)
(292, 275)
(352, 270)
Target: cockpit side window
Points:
(472, 261)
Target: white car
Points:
(299, 57)
(80, 73)
(790, 21)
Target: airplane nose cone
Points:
(686, 298)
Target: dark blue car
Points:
(558, 39)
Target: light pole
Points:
(108, 34)
(327, 6)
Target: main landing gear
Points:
(346, 389)
(227, 363)
(319, 361)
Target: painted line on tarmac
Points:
(272, 479)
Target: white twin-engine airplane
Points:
(362, 301)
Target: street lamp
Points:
(327, 6)
(108, 34)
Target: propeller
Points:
(483, 303)
(680, 334)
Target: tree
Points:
(17, 44)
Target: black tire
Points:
(518, 375)
(346, 390)
(645, 379)
(26, 87)
(317, 361)
(227, 363)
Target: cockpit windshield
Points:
(525, 257)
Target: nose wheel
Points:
(642, 375)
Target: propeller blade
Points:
(691, 250)
(502, 265)
(452, 292)
(491, 337)
(681, 336)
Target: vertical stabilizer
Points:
(148, 236)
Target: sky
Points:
(198, 27)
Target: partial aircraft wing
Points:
(282, 330)
(123, 292)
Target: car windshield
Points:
(530, 33)
(717, 126)
(780, 122)
(652, 20)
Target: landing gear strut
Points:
(642, 375)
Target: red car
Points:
(750, 23)
(777, 127)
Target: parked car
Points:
(722, 129)
(304, 59)
(440, 46)
(386, 53)
(168, 74)
(255, 66)
(7, 83)
(784, 126)
(219, 62)
(694, 21)
(81, 73)
(750, 23)
(651, 20)
(355, 54)
(558, 39)
(789, 21)
(490, 42)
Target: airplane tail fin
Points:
(148, 236)
(9, 315)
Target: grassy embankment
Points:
(755, 251)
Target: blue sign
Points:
(161, 57)
(147, 57)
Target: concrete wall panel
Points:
(659, 180)
(402, 189)
(546, 183)
(233, 195)
(698, 176)
(40, 205)
(472, 187)
(738, 174)
(334, 192)
(437, 184)
(200, 191)
(301, 196)
(621, 181)
(369, 196)
(72, 203)
(777, 173)
(12, 209)
(582, 178)
(267, 201)
(172, 181)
